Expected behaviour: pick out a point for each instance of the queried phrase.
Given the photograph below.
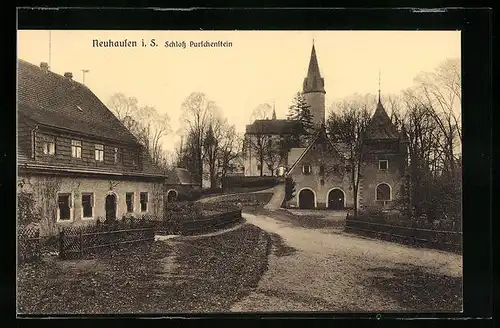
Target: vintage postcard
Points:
(238, 171)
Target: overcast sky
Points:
(260, 67)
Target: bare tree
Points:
(273, 154)
(123, 106)
(346, 125)
(261, 112)
(197, 112)
(230, 149)
(145, 123)
(257, 144)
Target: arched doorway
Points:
(306, 199)
(111, 207)
(171, 196)
(336, 199)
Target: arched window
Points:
(383, 192)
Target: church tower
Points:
(314, 90)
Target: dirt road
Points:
(325, 271)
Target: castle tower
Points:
(314, 90)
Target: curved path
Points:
(340, 272)
(215, 197)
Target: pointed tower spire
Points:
(313, 82)
(274, 111)
(314, 90)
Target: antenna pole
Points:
(50, 48)
(379, 85)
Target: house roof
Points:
(381, 126)
(275, 127)
(57, 101)
(322, 137)
(180, 176)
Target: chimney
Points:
(68, 75)
(44, 67)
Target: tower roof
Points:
(381, 126)
(313, 82)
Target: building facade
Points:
(75, 158)
(319, 168)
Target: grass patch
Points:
(227, 267)
(249, 202)
(418, 290)
(195, 275)
(280, 248)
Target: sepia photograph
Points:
(238, 171)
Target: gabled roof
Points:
(275, 127)
(57, 101)
(180, 176)
(320, 137)
(380, 125)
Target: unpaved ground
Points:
(326, 271)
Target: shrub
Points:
(289, 189)
(245, 181)
(211, 191)
(190, 195)
(27, 211)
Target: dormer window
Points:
(383, 165)
(306, 169)
(49, 146)
(99, 152)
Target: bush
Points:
(27, 211)
(211, 191)
(190, 195)
(242, 181)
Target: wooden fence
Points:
(79, 240)
(439, 239)
(188, 226)
(211, 222)
(28, 244)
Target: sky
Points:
(260, 67)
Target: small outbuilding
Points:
(179, 181)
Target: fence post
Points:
(38, 245)
(81, 242)
(61, 244)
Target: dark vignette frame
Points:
(476, 27)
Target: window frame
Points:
(46, 142)
(99, 149)
(390, 192)
(132, 201)
(91, 194)
(309, 171)
(70, 204)
(386, 161)
(146, 202)
(76, 147)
